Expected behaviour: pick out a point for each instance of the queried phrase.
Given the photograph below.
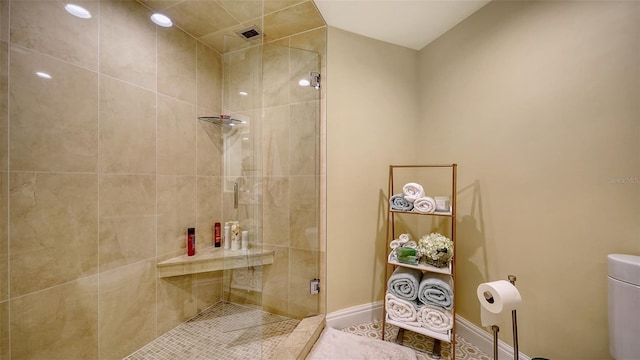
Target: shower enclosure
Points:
(271, 175)
(270, 183)
(106, 162)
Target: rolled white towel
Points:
(401, 310)
(401, 241)
(437, 320)
(404, 238)
(412, 191)
(424, 205)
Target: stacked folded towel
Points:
(398, 202)
(434, 319)
(435, 290)
(411, 312)
(402, 310)
(412, 191)
(404, 282)
(424, 205)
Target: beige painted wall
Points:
(372, 112)
(537, 103)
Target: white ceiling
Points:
(409, 23)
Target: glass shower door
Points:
(291, 163)
(271, 185)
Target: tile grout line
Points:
(99, 182)
(156, 282)
(8, 68)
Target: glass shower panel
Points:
(271, 184)
(242, 199)
(291, 162)
(304, 181)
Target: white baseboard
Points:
(484, 340)
(355, 315)
(373, 312)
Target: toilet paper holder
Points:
(514, 321)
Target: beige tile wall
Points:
(174, 212)
(127, 43)
(127, 219)
(56, 33)
(127, 116)
(36, 326)
(53, 219)
(45, 135)
(127, 310)
(103, 167)
(106, 166)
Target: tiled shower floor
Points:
(223, 331)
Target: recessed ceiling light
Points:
(43, 75)
(243, 93)
(304, 82)
(161, 20)
(78, 11)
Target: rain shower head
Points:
(250, 33)
(222, 120)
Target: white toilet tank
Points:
(624, 306)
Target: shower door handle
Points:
(235, 195)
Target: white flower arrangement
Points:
(436, 248)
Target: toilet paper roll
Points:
(496, 298)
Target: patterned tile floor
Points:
(423, 345)
(223, 331)
(234, 332)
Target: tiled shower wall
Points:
(103, 167)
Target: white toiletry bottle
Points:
(245, 240)
(235, 236)
(227, 236)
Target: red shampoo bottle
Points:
(216, 237)
(191, 241)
